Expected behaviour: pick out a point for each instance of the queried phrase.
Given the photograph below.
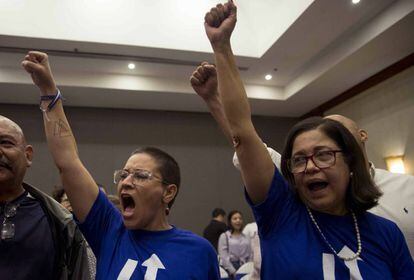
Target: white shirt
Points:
(250, 230)
(397, 202)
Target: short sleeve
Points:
(268, 212)
(101, 221)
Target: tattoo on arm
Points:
(61, 129)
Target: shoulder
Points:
(382, 177)
(382, 225)
(192, 238)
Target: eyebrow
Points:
(315, 149)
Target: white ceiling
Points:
(320, 49)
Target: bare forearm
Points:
(77, 182)
(256, 165)
(216, 109)
(231, 89)
(59, 137)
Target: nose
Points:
(311, 166)
(128, 181)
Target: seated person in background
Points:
(138, 243)
(216, 227)
(234, 247)
(39, 239)
(314, 224)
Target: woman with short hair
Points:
(139, 242)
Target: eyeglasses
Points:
(321, 159)
(8, 228)
(139, 176)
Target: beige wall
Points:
(386, 111)
(106, 137)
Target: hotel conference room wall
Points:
(106, 137)
(386, 111)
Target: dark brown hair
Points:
(231, 214)
(362, 193)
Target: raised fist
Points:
(204, 81)
(220, 22)
(37, 65)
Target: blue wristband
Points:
(54, 99)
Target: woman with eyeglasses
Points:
(313, 221)
(139, 242)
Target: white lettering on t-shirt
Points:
(127, 270)
(152, 264)
(328, 263)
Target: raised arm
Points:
(79, 185)
(204, 82)
(256, 165)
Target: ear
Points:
(169, 193)
(28, 151)
(363, 135)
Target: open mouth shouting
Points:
(128, 205)
(316, 185)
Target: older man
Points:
(39, 239)
(397, 202)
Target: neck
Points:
(236, 232)
(9, 193)
(158, 223)
(218, 219)
(339, 211)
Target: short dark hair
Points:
(167, 166)
(231, 214)
(217, 212)
(362, 193)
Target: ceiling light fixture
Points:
(268, 77)
(131, 66)
(355, 1)
(395, 164)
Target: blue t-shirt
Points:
(138, 254)
(292, 247)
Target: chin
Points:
(320, 205)
(131, 224)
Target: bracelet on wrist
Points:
(54, 99)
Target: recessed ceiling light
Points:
(131, 66)
(355, 1)
(268, 77)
